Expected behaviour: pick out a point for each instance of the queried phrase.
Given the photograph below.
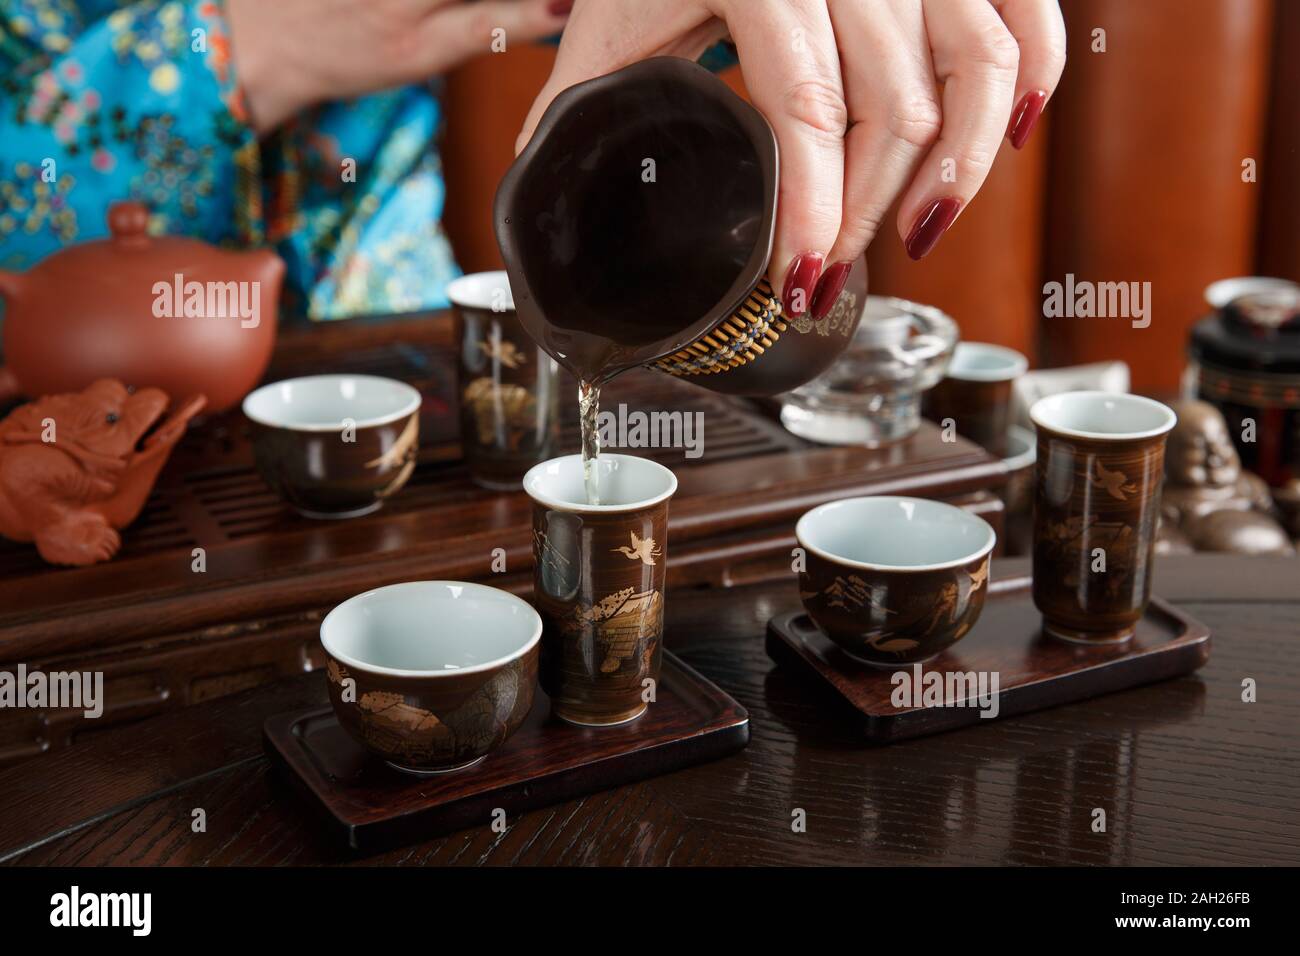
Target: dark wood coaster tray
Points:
(1034, 671)
(369, 805)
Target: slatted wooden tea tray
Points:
(1034, 671)
(371, 806)
(165, 635)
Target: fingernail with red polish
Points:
(560, 8)
(829, 288)
(799, 281)
(931, 225)
(1025, 117)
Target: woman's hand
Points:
(868, 98)
(292, 54)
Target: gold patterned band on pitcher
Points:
(739, 339)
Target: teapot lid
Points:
(129, 253)
(128, 221)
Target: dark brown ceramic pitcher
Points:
(637, 227)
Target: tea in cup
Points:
(894, 580)
(599, 584)
(431, 676)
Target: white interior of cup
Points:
(323, 402)
(482, 290)
(423, 628)
(895, 534)
(626, 483)
(1103, 415)
(1022, 448)
(983, 362)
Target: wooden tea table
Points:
(1187, 772)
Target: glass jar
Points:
(871, 394)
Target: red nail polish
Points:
(1025, 117)
(931, 225)
(829, 288)
(800, 278)
(560, 8)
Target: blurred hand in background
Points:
(297, 53)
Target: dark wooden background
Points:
(1187, 772)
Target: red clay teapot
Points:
(168, 312)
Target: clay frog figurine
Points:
(76, 467)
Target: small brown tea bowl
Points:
(894, 580)
(335, 446)
(432, 676)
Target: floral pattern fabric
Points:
(102, 100)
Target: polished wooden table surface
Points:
(1187, 772)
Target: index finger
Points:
(791, 66)
(976, 59)
(1039, 29)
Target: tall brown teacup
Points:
(975, 393)
(509, 388)
(599, 584)
(1096, 502)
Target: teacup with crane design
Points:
(599, 584)
(1097, 483)
(335, 446)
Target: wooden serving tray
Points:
(1034, 671)
(371, 806)
(165, 635)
